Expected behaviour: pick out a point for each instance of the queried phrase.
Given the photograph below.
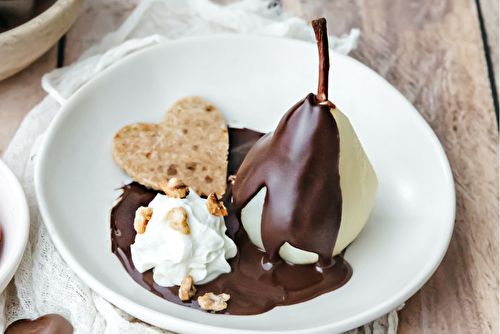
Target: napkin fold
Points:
(44, 283)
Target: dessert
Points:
(254, 284)
(190, 144)
(47, 324)
(178, 237)
(305, 190)
(307, 185)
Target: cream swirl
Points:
(203, 253)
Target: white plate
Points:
(14, 222)
(253, 81)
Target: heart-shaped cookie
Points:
(47, 324)
(191, 144)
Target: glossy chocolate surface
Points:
(47, 324)
(256, 285)
(298, 163)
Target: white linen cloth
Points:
(43, 282)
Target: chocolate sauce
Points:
(47, 324)
(255, 284)
(299, 165)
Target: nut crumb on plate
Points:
(212, 302)
(187, 289)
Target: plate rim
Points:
(9, 266)
(178, 324)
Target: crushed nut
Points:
(214, 206)
(174, 188)
(142, 218)
(211, 302)
(187, 289)
(177, 220)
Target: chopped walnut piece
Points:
(177, 220)
(187, 289)
(214, 206)
(211, 302)
(142, 217)
(174, 188)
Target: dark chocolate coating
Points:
(255, 284)
(299, 165)
(47, 324)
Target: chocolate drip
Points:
(255, 285)
(47, 324)
(299, 166)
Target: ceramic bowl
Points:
(22, 45)
(14, 221)
(253, 80)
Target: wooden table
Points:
(441, 55)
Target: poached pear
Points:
(305, 190)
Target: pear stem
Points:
(319, 27)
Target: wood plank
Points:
(432, 52)
(20, 93)
(489, 9)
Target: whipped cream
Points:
(203, 253)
